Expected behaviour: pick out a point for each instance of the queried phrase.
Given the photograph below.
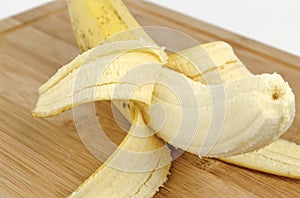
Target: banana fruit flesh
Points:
(280, 157)
(187, 123)
(93, 22)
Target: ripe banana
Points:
(93, 22)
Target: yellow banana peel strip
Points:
(137, 168)
(280, 158)
(96, 21)
(195, 63)
(92, 76)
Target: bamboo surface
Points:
(46, 158)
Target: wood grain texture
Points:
(46, 158)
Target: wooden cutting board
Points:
(46, 158)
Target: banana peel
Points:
(138, 170)
(96, 21)
(211, 63)
(280, 158)
(95, 78)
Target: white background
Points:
(274, 22)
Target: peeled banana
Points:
(280, 157)
(176, 97)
